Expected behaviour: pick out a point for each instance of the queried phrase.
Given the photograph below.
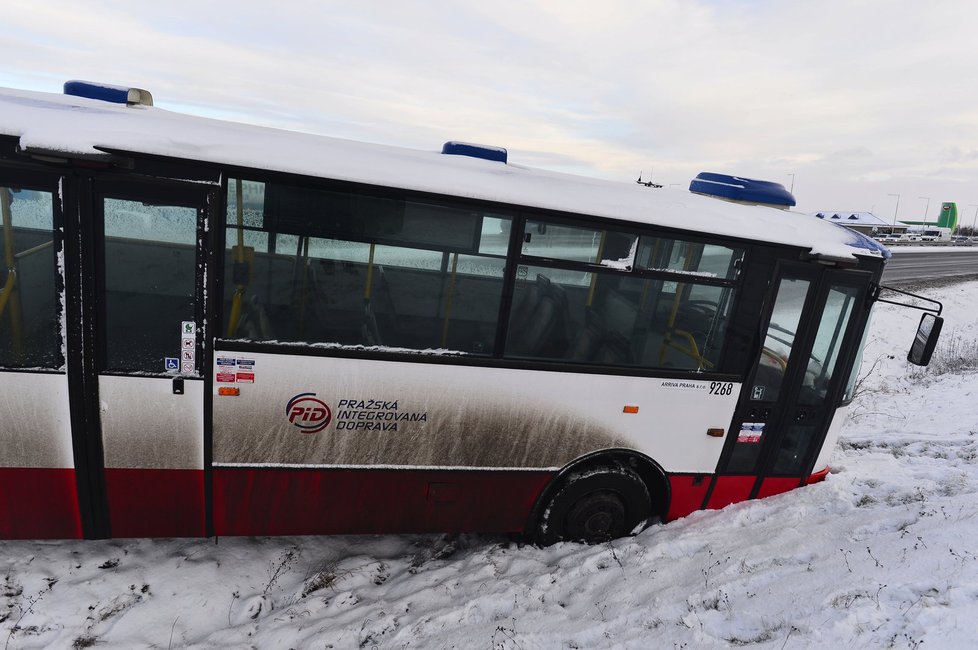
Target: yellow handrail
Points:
(239, 255)
(691, 351)
(35, 249)
(9, 291)
(8, 287)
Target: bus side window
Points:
(323, 266)
(29, 305)
(613, 319)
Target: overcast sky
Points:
(848, 100)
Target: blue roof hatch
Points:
(735, 188)
(486, 152)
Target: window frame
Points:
(164, 192)
(731, 365)
(228, 227)
(633, 272)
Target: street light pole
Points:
(975, 220)
(792, 188)
(896, 209)
(926, 208)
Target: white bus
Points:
(208, 328)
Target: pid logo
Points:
(308, 413)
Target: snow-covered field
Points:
(881, 554)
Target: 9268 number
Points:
(721, 388)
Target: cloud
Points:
(837, 93)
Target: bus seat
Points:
(369, 332)
(523, 312)
(589, 337)
(254, 323)
(696, 317)
(602, 339)
(539, 323)
(615, 349)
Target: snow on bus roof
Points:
(47, 122)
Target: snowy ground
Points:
(882, 554)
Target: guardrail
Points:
(890, 244)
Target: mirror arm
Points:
(876, 289)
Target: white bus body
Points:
(210, 328)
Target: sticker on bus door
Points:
(750, 432)
(188, 347)
(245, 371)
(226, 370)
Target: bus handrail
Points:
(7, 289)
(8, 285)
(691, 351)
(35, 249)
(239, 261)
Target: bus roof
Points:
(78, 126)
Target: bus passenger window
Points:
(613, 319)
(677, 256)
(604, 297)
(330, 267)
(603, 247)
(29, 304)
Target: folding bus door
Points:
(38, 490)
(789, 404)
(147, 285)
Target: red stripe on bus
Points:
(771, 486)
(38, 503)
(155, 502)
(730, 489)
(686, 497)
(272, 501)
(818, 476)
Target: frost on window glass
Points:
(317, 266)
(29, 303)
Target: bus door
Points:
(144, 392)
(790, 399)
(38, 489)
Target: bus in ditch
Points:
(208, 328)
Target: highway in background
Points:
(908, 265)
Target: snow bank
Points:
(881, 554)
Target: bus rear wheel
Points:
(593, 506)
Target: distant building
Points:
(864, 222)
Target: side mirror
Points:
(928, 331)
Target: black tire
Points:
(593, 506)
